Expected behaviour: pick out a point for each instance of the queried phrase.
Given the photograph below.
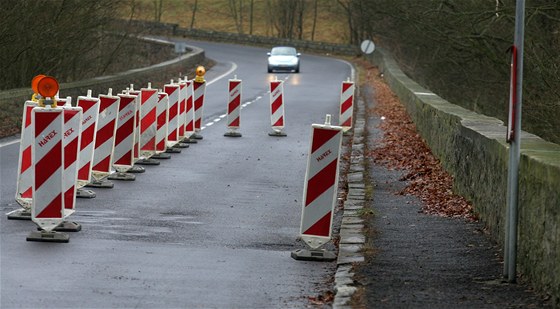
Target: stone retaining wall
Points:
(473, 149)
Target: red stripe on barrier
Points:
(347, 123)
(321, 182)
(274, 85)
(71, 155)
(87, 137)
(53, 209)
(48, 164)
(279, 122)
(104, 134)
(26, 159)
(321, 227)
(148, 120)
(69, 198)
(233, 105)
(28, 193)
(103, 165)
(83, 173)
(125, 131)
(346, 104)
(28, 116)
(346, 86)
(125, 160)
(235, 123)
(276, 104)
(320, 137)
(46, 120)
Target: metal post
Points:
(513, 179)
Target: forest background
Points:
(459, 49)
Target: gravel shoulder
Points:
(424, 261)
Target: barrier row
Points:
(66, 148)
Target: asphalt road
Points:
(213, 227)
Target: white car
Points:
(283, 58)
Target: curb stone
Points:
(352, 237)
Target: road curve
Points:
(212, 227)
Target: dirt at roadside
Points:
(419, 260)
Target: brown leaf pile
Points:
(402, 148)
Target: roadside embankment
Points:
(472, 147)
(11, 101)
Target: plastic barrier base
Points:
(45, 236)
(19, 214)
(196, 136)
(161, 156)
(83, 193)
(277, 133)
(232, 134)
(100, 184)
(321, 255)
(174, 149)
(147, 161)
(66, 226)
(136, 169)
(182, 144)
(122, 176)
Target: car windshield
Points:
(283, 51)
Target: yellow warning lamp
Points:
(34, 82)
(200, 71)
(47, 86)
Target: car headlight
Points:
(294, 60)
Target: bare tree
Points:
(236, 12)
(158, 10)
(194, 8)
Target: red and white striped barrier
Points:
(90, 106)
(277, 107)
(105, 139)
(24, 194)
(320, 188)
(47, 209)
(233, 108)
(136, 148)
(189, 110)
(182, 117)
(199, 90)
(346, 105)
(172, 91)
(162, 110)
(123, 152)
(148, 124)
(71, 143)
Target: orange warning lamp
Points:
(34, 82)
(200, 71)
(47, 86)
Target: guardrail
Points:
(472, 147)
(228, 37)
